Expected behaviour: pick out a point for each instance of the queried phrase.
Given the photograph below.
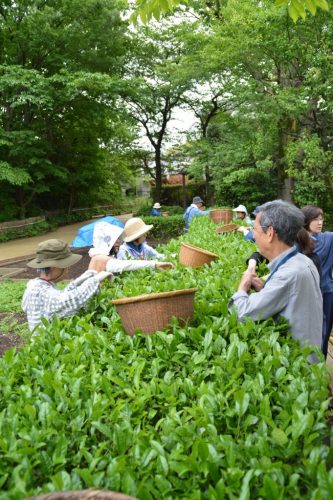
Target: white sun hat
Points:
(240, 208)
(104, 237)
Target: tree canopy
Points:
(297, 9)
(87, 101)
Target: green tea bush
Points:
(145, 209)
(165, 227)
(219, 409)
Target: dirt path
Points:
(27, 246)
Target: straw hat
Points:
(240, 208)
(156, 205)
(134, 228)
(54, 253)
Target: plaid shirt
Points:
(42, 299)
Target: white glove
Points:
(243, 229)
(87, 274)
(102, 275)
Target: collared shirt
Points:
(155, 212)
(193, 211)
(143, 252)
(293, 292)
(42, 299)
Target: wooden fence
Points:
(21, 223)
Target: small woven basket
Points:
(221, 215)
(82, 495)
(227, 228)
(152, 312)
(192, 256)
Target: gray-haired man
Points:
(292, 288)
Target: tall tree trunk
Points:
(71, 200)
(20, 199)
(23, 201)
(208, 187)
(158, 170)
(286, 184)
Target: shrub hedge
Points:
(164, 227)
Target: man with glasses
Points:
(292, 287)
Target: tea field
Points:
(219, 409)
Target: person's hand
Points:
(243, 229)
(257, 283)
(98, 262)
(102, 275)
(164, 265)
(246, 281)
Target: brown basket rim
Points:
(228, 227)
(222, 208)
(152, 296)
(198, 249)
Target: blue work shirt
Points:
(193, 211)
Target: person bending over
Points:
(194, 210)
(42, 299)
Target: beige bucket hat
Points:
(134, 228)
(156, 205)
(54, 253)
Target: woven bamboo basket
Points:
(152, 312)
(221, 215)
(192, 256)
(227, 228)
(82, 495)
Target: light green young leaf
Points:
(279, 437)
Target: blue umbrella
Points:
(84, 236)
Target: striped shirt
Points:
(42, 299)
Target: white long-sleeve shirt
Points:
(118, 266)
(42, 299)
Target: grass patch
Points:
(12, 317)
(11, 293)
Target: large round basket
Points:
(82, 495)
(221, 215)
(227, 228)
(192, 256)
(152, 312)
